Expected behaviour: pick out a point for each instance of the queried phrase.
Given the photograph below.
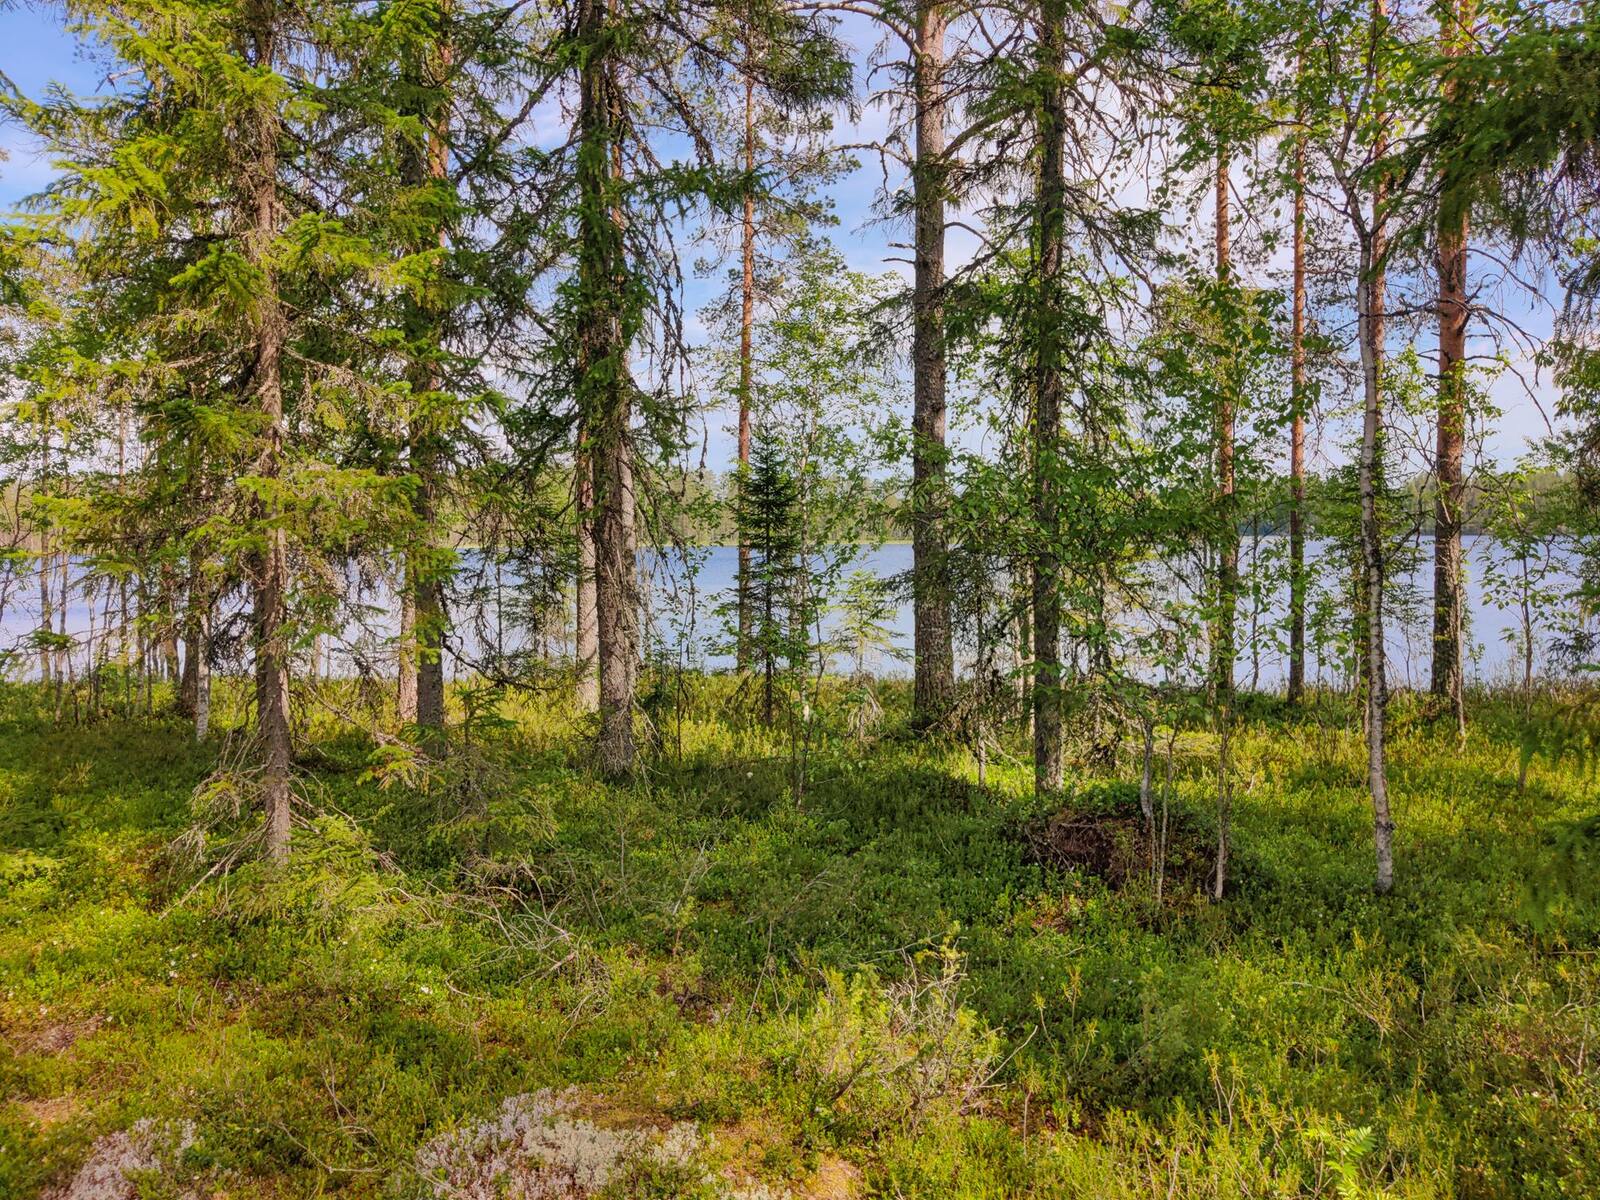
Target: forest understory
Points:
(496, 974)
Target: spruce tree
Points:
(766, 513)
(191, 202)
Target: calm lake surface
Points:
(684, 623)
(1493, 630)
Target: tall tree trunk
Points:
(122, 582)
(637, 598)
(430, 613)
(769, 658)
(269, 332)
(1371, 320)
(1022, 649)
(604, 391)
(1047, 400)
(194, 692)
(1297, 438)
(634, 600)
(429, 164)
(189, 680)
(63, 655)
(202, 691)
(169, 626)
(46, 625)
(46, 615)
(1223, 648)
(616, 605)
(747, 322)
(586, 645)
(406, 659)
(932, 637)
(1448, 665)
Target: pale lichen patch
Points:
(119, 1161)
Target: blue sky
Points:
(36, 51)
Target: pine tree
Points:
(619, 300)
(933, 633)
(785, 158)
(925, 94)
(1448, 668)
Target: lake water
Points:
(684, 623)
(1493, 629)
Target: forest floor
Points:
(505, 977)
